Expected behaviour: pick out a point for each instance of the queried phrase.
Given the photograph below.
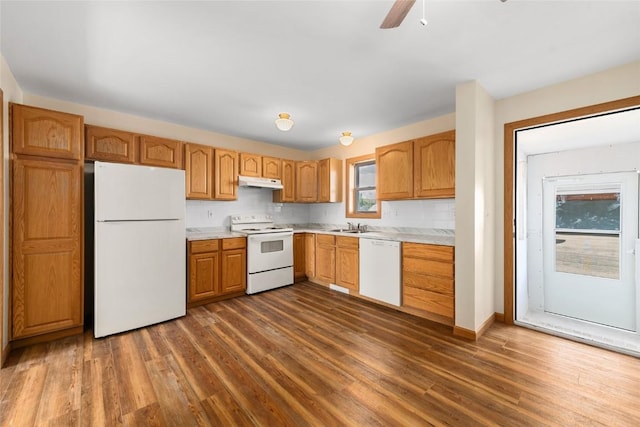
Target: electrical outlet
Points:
(209, 213)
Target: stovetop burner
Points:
(256, 223)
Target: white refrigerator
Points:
(140, 261)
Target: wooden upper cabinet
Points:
(250, 165)
(271, 167)
(110, 145)
(161, 152)
(47, 236)
(330, 180)
(288, 179)
(435, 165)
(225, 174)
(394, 165)
(198, 165)
(307, 181)
(40, 132)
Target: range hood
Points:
(252, 181)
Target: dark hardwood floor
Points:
(304, 355)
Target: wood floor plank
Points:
(63, 385)
(25, 396)
(134, 387)
(305, 355)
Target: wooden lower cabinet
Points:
(347, 262)
(299, 268)
(47, 234)
(310, 255)
(217, 270)
(234, 265)
(326, 258)
(428, 279)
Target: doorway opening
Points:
(576, 229)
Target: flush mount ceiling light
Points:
(284, 122)
(346, 139)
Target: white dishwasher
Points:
(380, 272)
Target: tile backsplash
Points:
(436, 213)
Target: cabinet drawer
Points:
(347, 242)
(432, 302)
(428, 267)
(200, 246)
(326, 239)
(428, 283)
(234, 243)
(434, 252)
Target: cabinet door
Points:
(306, 181)
(225, 172)
(310, 255)
(435, 165)
(347, 262)
(428, 279)
(299, 268)
(288, 192)
(40, 132)
(250, 165)
(198, 165)
(47, 224)
(330, 180)
(204, 275)
(110, 145)
(160, 152)
(394, 164)
(271, 167)
(234, 271)
(326, 258)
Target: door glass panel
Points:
(588, 234)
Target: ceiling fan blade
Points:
(397, 13)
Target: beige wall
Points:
(609, 85)
(475, 194)
(129, 122)
(12, 93)
(368, 144)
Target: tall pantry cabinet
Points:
(47, 224)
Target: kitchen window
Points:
(361, 188)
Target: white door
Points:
(590, 227)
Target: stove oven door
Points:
(269, 251)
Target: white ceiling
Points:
(232, 66)
(606, 129)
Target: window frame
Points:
(350, 188)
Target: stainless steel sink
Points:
(345, 230)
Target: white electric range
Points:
(269, 251)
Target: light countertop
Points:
(416, 235)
